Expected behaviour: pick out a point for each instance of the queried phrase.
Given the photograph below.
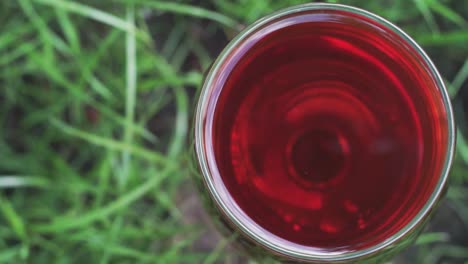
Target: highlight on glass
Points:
(323, 133)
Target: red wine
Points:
(329, 129)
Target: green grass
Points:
(96, 99)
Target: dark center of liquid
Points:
(317, 157)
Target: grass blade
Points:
(462, 148)
(94, 14)
(13, 36)
(111, 144)
(130, 98)
(22, 181)
(443, 39)
(23, 50)
(9, 255)
(429, 238)
(446, 250)
(459, 79)
(426, 12)
(446, 12)
(10, 215)
(69, 30)
(61, 224)
(185, 9)
(181, 123)
(47, 35)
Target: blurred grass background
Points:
(95, 104)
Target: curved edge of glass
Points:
(300, 252)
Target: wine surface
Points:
(328, 130)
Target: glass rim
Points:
(243, 222)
